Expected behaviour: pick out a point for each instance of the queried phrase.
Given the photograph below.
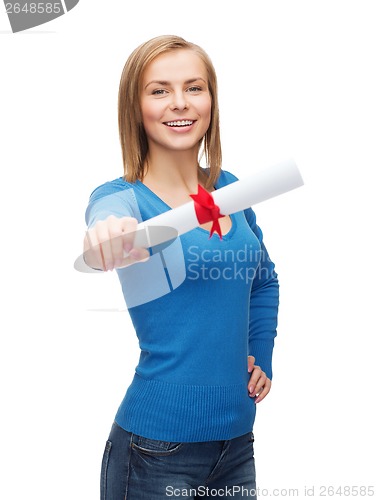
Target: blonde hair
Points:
(133, 138)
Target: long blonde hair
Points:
(132, 134)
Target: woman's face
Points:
(175, 101)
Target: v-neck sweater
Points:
(199, 307)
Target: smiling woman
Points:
(206, 334)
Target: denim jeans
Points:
(138, 468)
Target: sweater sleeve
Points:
(264, 301)
(264, 297)
(112, 198)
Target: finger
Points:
(135, 255)
(251, 363)
(264, 392)
(128, 229)
(104, 244)
(256, 381)
(260, 384)
(123, 250)
(117, 227)
(92, 251)
(139, 254)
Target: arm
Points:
(264, 298)
(263, 311)
(263, 314)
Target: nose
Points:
(179, 101)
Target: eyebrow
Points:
(165, 82)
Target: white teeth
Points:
(180, 123)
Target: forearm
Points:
(263, 320)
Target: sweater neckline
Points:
(225, 236)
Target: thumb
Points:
(251, 363)
(139, 254)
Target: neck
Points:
(173, 170)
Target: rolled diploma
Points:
(239, 195)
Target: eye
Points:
(158, 92)
(194, 89)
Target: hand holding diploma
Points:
(110, 244)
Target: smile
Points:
(179, 123)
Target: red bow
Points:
(207, 210)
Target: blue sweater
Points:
(199, 307)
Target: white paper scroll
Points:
(239, 195)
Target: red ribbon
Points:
(207, 210)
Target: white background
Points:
(297, 79)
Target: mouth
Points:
(180, 123)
